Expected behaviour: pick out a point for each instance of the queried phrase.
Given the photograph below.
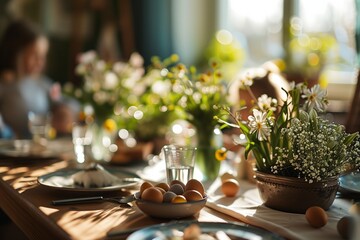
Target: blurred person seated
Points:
(23, 86)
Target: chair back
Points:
(353, 118)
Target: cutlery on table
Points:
(123, 200)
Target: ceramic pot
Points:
(295, 195)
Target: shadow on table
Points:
(92, 220)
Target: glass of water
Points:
(180, 161)
(82, 138)
(39, 125)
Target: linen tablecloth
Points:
(247, 207)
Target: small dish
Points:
(62, 180)
(170, 210)
(235, 230)
(27, 149)
(350, 182)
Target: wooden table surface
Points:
(29, 206)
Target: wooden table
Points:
(29, 206)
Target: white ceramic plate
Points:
(170, 210)
(62, 180)
(233, 230)
(27, 149)
(350, 182)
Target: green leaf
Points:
(304, 116)
(314, 120)
(350, 138)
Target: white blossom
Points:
(245, 81)
(266, 103)
(258, 124)
(162, 88)
(100, 65)
(87, 57)
(136, 60)
(119, 67)
(80, 69)
(111, 80)
(315, 98)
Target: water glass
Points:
(39, 124)
(82, 138)
(180, 161)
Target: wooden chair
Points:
(353, 118)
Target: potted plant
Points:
(299, 155)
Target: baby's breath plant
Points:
(291, 138)
(317, 149)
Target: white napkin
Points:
(247, 207)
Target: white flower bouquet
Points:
(139, 102)
(107, 86)
(292, 139)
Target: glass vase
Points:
(208, 142)
(103, 144)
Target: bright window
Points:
(258, 25)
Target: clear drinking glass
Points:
(180, 161)
(82, 138)
(39, 124)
